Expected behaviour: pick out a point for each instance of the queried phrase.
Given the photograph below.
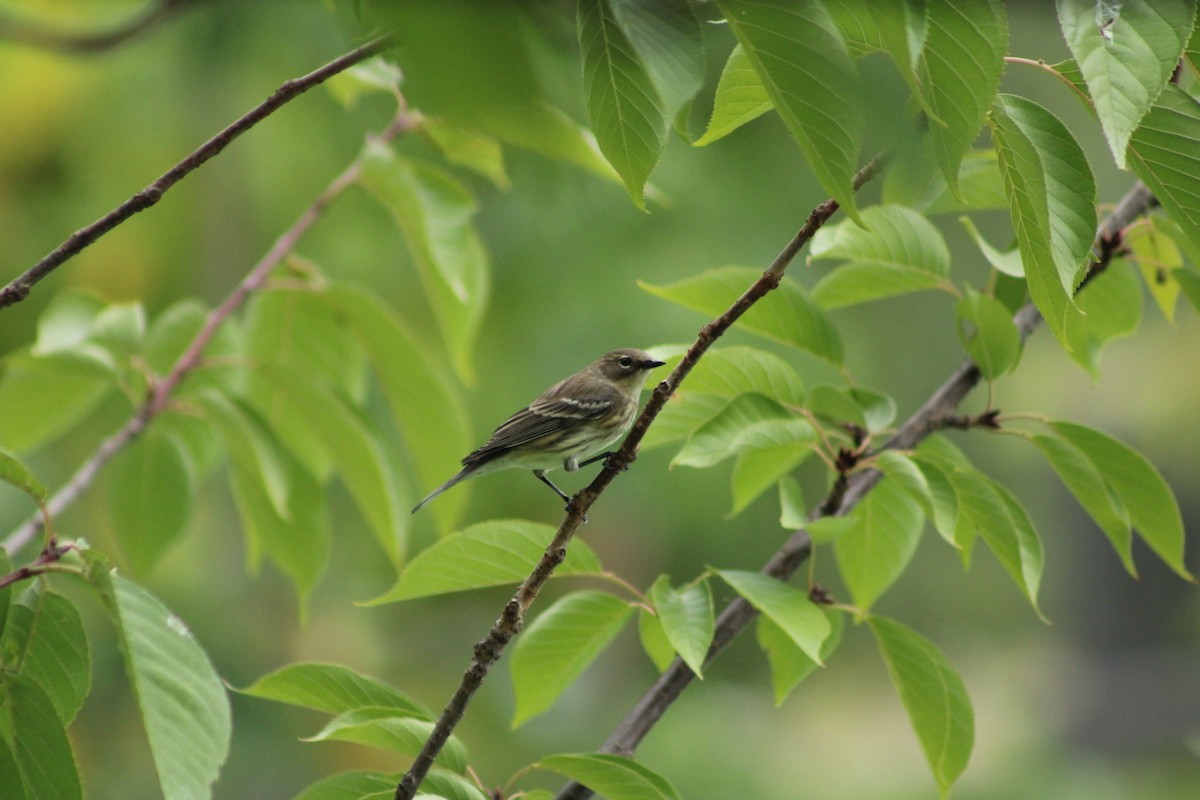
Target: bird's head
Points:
(627, 367)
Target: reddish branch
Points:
(18, 289)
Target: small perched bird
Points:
(572, 422)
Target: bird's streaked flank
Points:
(570, 426)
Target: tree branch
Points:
(25, 32)
(928, 418)
(19, 288)
(488, 651)
(160, 393)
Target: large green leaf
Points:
(353, 785)
(549, 132)
(686, 615)
(150, 487)
(873, 552)
(786, 606)
(751, 422)
(729, 372)
(385, 729)
(626, 111)
(789, 664)
(1163, 153)
(1140, 488)
(330, 687)
(1126, 52)
(492, 553)
(933, 695)
(899, 251)
(434, 210)
(37, 741)
(785, 315)
(426, 404)
(352, 447)
(959, 71)
(44, 397)
(1112, 306)
(559, 644)
(183, 702)
(740, 98)
(760, 468)
(469, 148)
(802, 60)
(991, 339)
(613, 777)
(666, 36)
(1052, 202)
(45, 640)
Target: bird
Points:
(570, 425)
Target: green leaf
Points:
(733, 371)
(184, 705)
(37, 742)
(1164, 155)
(434, 210)
(1007, 262)
(253, 450)
(353, 448)
(666, 36)
(686, 615)
(654, 640)
(448, 785)
(614, 777)
(1127, 53)
(1084, 481)
(1139, 487)
(120, 329)
(786, 606)
(959, 72)
(992, 341)
(915, 181)
(426, 404)
(902, 27)
(943, 509)
(784, 315)
(468, 148)
(1052, 201)
(758, 469)
(150, 487)
(751, 422)
(683, 414)
(559, 645)
(14, 472)
(1157, 256)
(802, 60)
(352, 785)
(740, 98)
(1189, 282)
(66, 321)
(492, 553)
(45, 641)
(1112, 306)
(899, 251)
(789, 664)
(792, 511)
(626, 112)
(933, 695)
(385, 729)
(373, 76)
(12, 786)
(330, 687)
(172, 333)
(45, 397)
(547, 131)
(873, 552)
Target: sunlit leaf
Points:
(330, 687)
(740, 98)
(880, 541)
(686, 615)
(789, 664)
(468, 148)
(1112, 306)
(1156, 256)
(1007, 262)
(992, 339)
(45, 640)
(654, 640)
(1127, 53)
(43, 398)
(1164, 155)
(667, 38)
(559, 644)
(752, 422)
(492, 553)
(786, 606)
(933, 695)
(38, 742)
(385, 729)
(150, 487)
(803, 63)
(613, 777)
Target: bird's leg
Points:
(605, 457)
(541, 476)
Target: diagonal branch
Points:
(25, 32)
(739, 613)
(19, 288)
(161, 392)
(488, 651)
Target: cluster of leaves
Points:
(280, 399)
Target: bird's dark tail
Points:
(463, 474)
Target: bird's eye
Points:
(626, 362)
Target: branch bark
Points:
(490, 648)
(941, 404)
(18, 289)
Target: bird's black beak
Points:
(650, 363)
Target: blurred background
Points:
(1103, 703)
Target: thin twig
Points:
(19, 288)
(488, 651)
(739, 613)
(25, 32)
(161, 392)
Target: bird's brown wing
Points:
(560, 408)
